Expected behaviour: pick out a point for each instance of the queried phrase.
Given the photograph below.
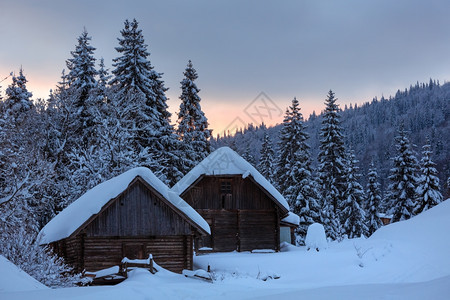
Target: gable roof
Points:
(225, 161)
(91, 203)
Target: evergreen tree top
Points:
(18, 98)
(81, 66)
(132, 69)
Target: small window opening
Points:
(225, 191)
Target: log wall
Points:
(174, 253)
(245, 194)
(135, 224)
(241, 230)
(138, 211)
(242, 219)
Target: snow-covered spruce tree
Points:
(303, 194)
(294, 175)
(292, 138)
(192, 123)
(140, 93)
(428, 192)
(94, 162)
(331, 167)
(401, 194)
(18, 99)
(266, 160)
(75, 112)
(14, 138)
(373, 200)
(81, 81)
(352, 212)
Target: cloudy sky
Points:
(359, 49)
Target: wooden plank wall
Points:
(242, 230)
(248, 221)
(245, 194)
(174, 253)
(258, 230)
(138, 212)
(71, 250)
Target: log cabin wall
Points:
(71, 250)
(245, 194)
(135, 224)
(241, 215)
(138, 211)
(174, 253)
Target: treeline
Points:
(95, 125)
(316, 164)
(370, 130)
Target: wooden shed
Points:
(132, 215)
(242, 208)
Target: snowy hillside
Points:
(405, 260)
(14, 279)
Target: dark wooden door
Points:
(257, 230)
(225, 235)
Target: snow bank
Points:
(419, 245)
(73, 216)
(12, 278)
(315, 237)
(427, 227)
(225, 161)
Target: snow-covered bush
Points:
(316, 238)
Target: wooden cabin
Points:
(132, 215)
(243, 210)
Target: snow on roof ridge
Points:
(225, 161)
(91, 202)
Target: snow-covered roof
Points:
(291, 219)
(225, 161)
(78, 212)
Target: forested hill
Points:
(370, 130)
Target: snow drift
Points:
(14, 279)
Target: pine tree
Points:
(266, 160)
(81, 82)
(401, 194)
(18, 98)
(133, 85)
(352, 213)
(61, 125)
(373, 201)
(428, 192)
(102, 85)
(140, 93)
(192, 123)
(294, 174)
(331, 168)
(303, 194)
(292, 140)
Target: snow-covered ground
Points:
(405, 260)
